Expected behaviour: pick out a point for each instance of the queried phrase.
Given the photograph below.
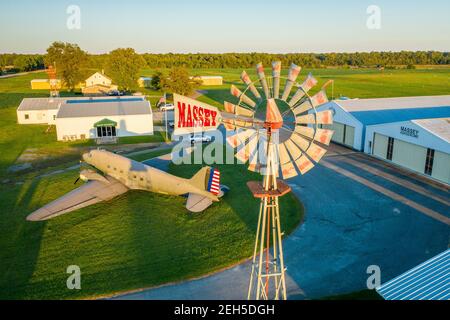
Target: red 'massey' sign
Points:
(192, 115)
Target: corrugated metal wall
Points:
(441, 166)
(409, 155)
(380, 143)
(349, 138)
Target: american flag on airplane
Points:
(214, 181)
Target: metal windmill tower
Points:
(271, 132)
(51, 72)
(275, 131)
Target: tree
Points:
(156, 80)
(124, 65)
(178, 81)
(69, 61)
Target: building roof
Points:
(353, 105)
(104, 107)
(53, 103)
(105, 123)
(438, 127)
(427, 281)
(29, 104)
(100, 73)
(40, 80)
(397, 115)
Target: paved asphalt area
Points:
(359, 212)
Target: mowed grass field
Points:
(141, 239)
(352, 83)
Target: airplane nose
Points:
(85, 156)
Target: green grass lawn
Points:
(137, 240)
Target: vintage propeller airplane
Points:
(108, 175)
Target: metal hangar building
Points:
(412, 132)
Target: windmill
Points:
(51, 72)
(279, 134)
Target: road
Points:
(359, 212)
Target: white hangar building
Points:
(89, 118)
(412, 132)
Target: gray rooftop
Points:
(439, 127)
(104, 108)
(352, 105)
(40, 104)
(53, 103)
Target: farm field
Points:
(141, 239)
(352, 83)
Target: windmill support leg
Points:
(268, 264)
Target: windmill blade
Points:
(319, 98)
(304, 164)
(322, 117)
(315, 152)
(246, 79)
(238, 110)
(308, 132)
(287, 167)
(294, 70)
(262, 79)
(276, 72)
(246, 150)
(236, 140)
(293, 150)
(302, 143)
(240, 95)
(253, 164)
(303, 89)
(321, 135)
(302, 108)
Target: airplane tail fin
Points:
(208, 179)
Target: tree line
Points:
(312, 60)
(26, 62)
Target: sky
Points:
(218, 26)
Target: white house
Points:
(100, 118)
(98, 78)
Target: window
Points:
(429, 162)
(54, 117)
(27, 116)
(390, 148)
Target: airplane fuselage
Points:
(136, 175)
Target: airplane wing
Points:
(93, 191)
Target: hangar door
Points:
(380, 143)
(403, 153)
(343, 134)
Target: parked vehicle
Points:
(166, 107)
(200, 139)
